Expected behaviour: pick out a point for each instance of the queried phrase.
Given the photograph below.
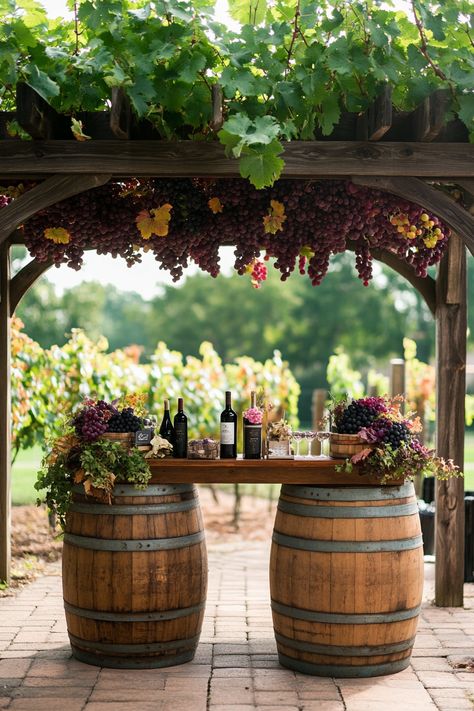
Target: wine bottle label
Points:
(227, 433)
(181, 431)
(252, 441)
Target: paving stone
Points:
(14, 667)
(56, 704)
(275, 698)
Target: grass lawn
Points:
(27, 464)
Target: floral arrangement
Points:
(392, 449)
(254, 415)
(280, 431)
(82, 455)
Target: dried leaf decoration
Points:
(154, 222)
(215, 205)
(275, 218)
(57, 234)
(77, 132)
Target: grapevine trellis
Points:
(422, 160)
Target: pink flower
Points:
(254, 415)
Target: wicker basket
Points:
(345, 445)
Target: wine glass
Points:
(322, 437)
(297, 437)
(309, 436)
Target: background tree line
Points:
(305, 323)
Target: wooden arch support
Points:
(45, 194)
(25, 278)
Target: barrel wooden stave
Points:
(330, 585)
(135, 608)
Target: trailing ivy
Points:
(287, 73)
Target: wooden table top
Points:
(317, 471)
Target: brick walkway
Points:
(236, 666)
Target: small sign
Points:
(144, 436)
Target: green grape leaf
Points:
(240, 131)
(330, 23)
(466, 110)
(248, 12)
(41, 82)
(330, 114)
(262, 166)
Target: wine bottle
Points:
(180, 447)
(228, 446)
(166, 427)
(252, 433)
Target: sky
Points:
(145, 278)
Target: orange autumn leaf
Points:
(215, 205)
(155, 222)
(57, 234)
(275, 218)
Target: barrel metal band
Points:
(333, 650)
(128, 662)
(349, 493)
(137, 510)
(345, 670)
(347, 511)
(191, 642)
(152, 490)
(342, 618)
(133, 545)
(307, 544)
(155, 616)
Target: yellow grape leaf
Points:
(88, 486)
(145, 224)
(162, 219)
(77, 132)
(154, 222)
(215, 205)
(275, 218)
(57, 234)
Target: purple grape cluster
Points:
(322, 218)
(91, 422)
(356, 416)
(124, 421)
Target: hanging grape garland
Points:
(298, 223)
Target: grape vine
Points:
(288, 72)
(297, 223)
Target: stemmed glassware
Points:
(323, 436)
(309, 436)
(297, 436)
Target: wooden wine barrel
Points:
(135, 576)
(346, 579)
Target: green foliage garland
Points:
(288, 73)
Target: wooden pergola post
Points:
(451, 325)
(5, 427)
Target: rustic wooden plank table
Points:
(317, 471)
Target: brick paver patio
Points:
(236, 666)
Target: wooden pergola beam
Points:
(303, 159)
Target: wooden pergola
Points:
(421, 158)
